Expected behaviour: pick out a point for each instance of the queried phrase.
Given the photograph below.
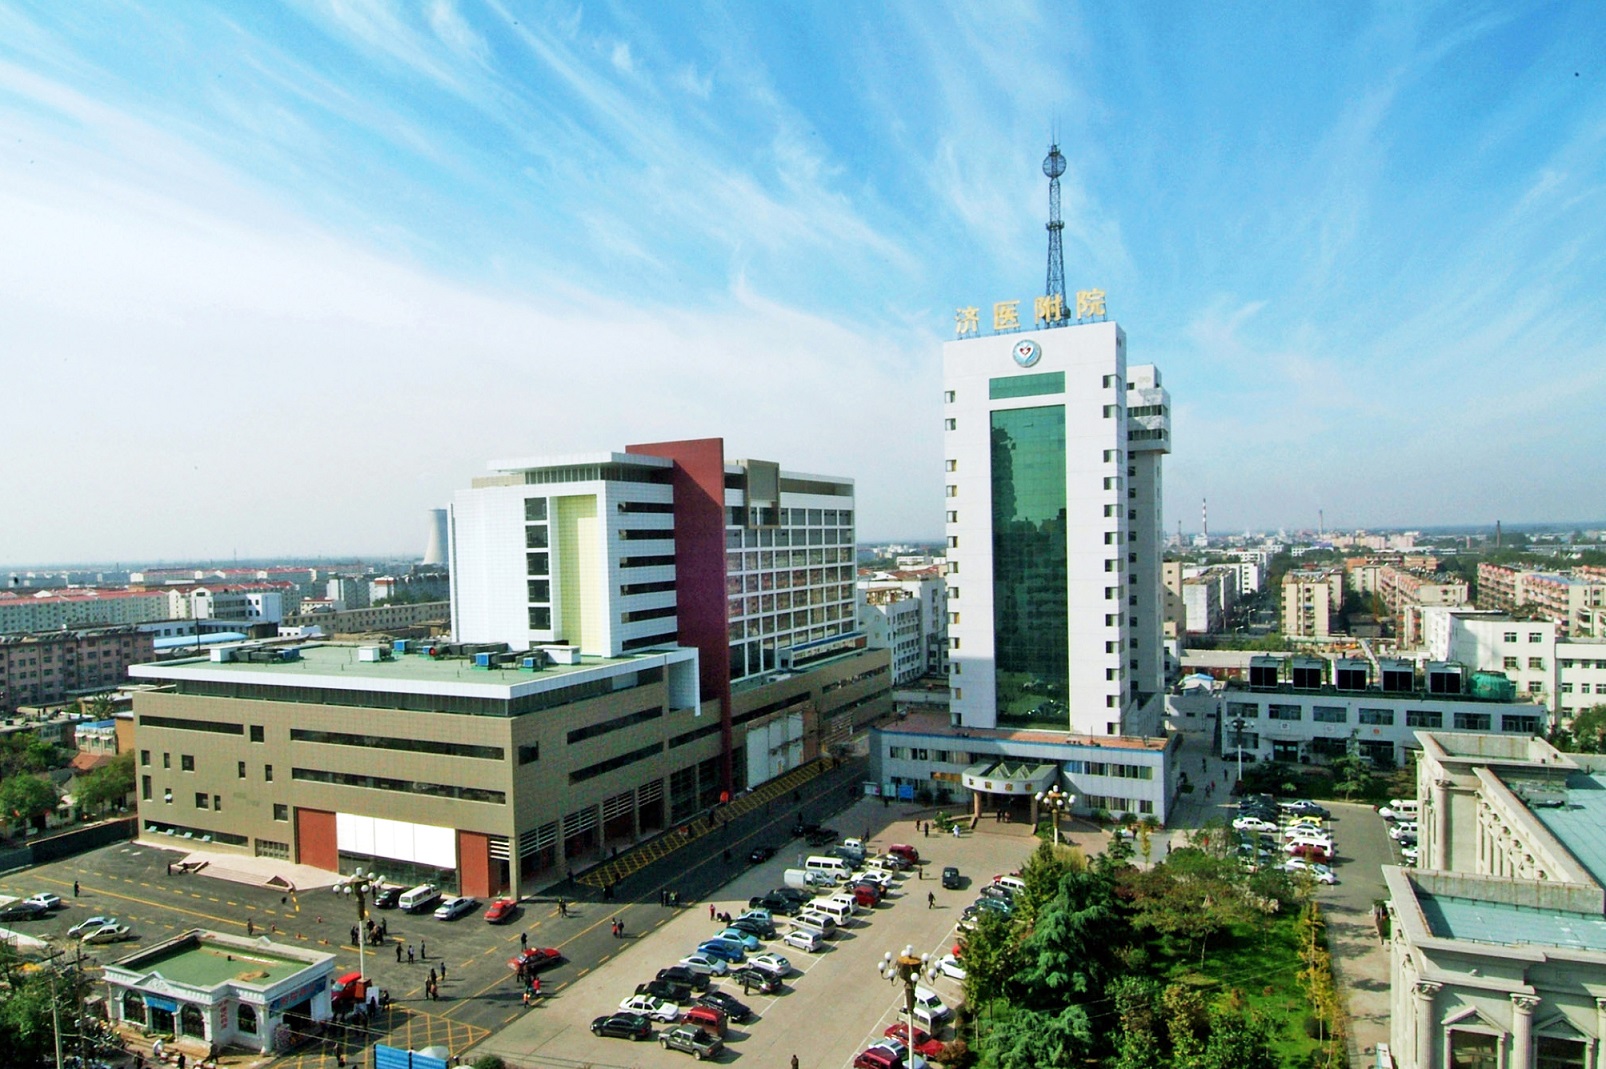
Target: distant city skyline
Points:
(278, 278)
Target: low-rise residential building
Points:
(79, 607)
(1208, 595)
(891, 620)
(53, 666)
(890, 591)
(1311, 597)
(1573, 599)
(1497, 940)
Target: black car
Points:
(951, 879)
(995, 890)
(820, 837)
(623, 1026)
(736, 1010)
(23, 911)
(679, 974)
(387, 898)
(754, 926)
(1304, 808)
(804, 828)
(761, 854)
(756, 979)
(776, 903)
(679, 994)
(796, 894)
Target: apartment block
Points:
(1310, 598)
(53, 666)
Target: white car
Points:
(1253, 824)
(1409, 854)
(45, 899)
(775, 963)
(757, 913)
(879, 877)
(453, 908)
(1397, 809)
(1303, 827)
(804, 940)
(84, 927)
(659, 1009)
(949, 966)
(1404, 827)
(704, 964)
(1318, 872)
(108, 933)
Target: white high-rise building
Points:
(1052, 452)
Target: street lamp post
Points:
(1238, 726)
(1056, 802)
(359, 885)
(908, 970)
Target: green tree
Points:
(1043, 873)
(1586, 733)
(992, 959)
(1069, 954)
(1239, 1037)
(1187, 1023)
(1021, 1038)
(1140, 1036)
(1191, 897)
(26, 798)
(1352, 774)
(107, 785)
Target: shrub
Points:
(488, 1061)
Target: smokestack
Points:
(1204, 518)
(435, 551)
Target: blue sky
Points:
(276, 278)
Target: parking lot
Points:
(831, 1007)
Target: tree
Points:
(26, 798)
(992, 959)
(107, 785)
(1191, 897)
(1352, 774)
(1043, 873)
(1069, 955)
(1586, 733)
(1141, 1031)
(1239, 1037)
(1021, 1038)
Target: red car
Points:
(501, 911)
(925, 1046)
(905, 851)
(537, 958)
(877, 1058)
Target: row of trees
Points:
(1101, 963)
(28, 797)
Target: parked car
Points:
(804, 940)
(761, 854)
(724, 949)
(706, 964)
(22, 910)
(1400, 809)
(1409, 853)
(949, 966)
(741, 936)
(796, 895)
(731, 1007)
(924, 1044)
(765, 983)
(387, 897)
(623, 1026)
(453, 908)
(778, 963)
(694, 1041)
(905, 851)
(45, 899)
(658, 1009)
(108, 933)
(1404, 827)
(501, 911)
(1310, 849)
(951, 880)
(998, 891)
(877, 1058)
(821, 837)
(89, 925)
(775, 902)
(666, 990)
(1253, 824)
(1304, 807)
(679, 974)
(1304, 827)
(757, 927)
(537, 958)
(880, 877)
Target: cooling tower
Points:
(435, 552)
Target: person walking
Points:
(250, 926)
(794, 1061)
(931, 900)
(423, 955)
(524, 940)
(409, 953)
(431, 979)
(443, 968)
(398, 952)
(621, 927)
(75, 888)
(710, 911)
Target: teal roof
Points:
(1580, 825)
(1477, 921)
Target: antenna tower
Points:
(1054, 166)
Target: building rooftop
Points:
(1580, 823)
(1479, 921)
(202, 962)
(937, 724)
(337, 667)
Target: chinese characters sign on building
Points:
(1046, 311)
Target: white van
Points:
(929, 1009)
(837, 910)
(831, 866)
(811, 921)
(847, 899)
(420, 898)
(1401, 809)
(1013, 884)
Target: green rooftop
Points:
(1580, 823)
(205, 965)
(1479, 921)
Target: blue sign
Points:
(906, 792)
(396, 1058)
(156, 1003)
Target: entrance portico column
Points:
(1441, 824)
(1522, 1029)
(1034, 810)
(1426, 1027)
(975, 805)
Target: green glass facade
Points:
(1030, 611)
(1050, 383)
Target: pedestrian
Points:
(398, 952)
(794, 1061)
(524, 940)
(353, 935)
(75, 888)
(139, 1060)
(423, 955)
(613, 928)
(526, 998)
(956, 831)
(747, 984)
(170, 868)
(384, 928)
(621, 927)
(431, 979)
(443, 970)
(409, 953)
(181, 1060)
(710, 911)
(563, 907)
(250, 926)
(931, 900)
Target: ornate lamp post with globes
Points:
(359, 885)
(908, 970)
(1056, 802)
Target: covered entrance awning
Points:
(1017, 778)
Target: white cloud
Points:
(621, 58)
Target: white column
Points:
(1600, 1033)
(1441, 824)
(1522, 1025)
(1426, 1026)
